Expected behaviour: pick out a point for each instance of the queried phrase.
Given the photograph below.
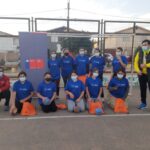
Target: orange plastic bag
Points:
(120, 106)
(61, 106)
(93, 106)
(82, 78)
(28, 109)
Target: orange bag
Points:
(120, 106)
(93, 106)
(61, 106)
(82, 78)
(28, 109)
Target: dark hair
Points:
(120, 48)
(47, 73)
(122, 70)
(146, 41)
(22, 73)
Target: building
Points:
(126, 41)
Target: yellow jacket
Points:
(136, 63)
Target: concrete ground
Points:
(68, 131)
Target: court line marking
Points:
(72, 116)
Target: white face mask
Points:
(53, 55)
(97, 54)
(120, 76)
(81, 52)
(144, 48)
(95, 74)
(118, 53)
(74, 78)
(1, 74)
(22, 79)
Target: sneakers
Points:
(142, 106)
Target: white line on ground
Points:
(72, 116)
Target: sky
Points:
(84, 9)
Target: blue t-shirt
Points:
(46, 90)
(82, 64)
(76, 88)
(67, 65)
(122, 85)
(116, 64)
(22, 90)
(54, 67)
(97, 62)
(94, 86)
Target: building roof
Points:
(126, 30)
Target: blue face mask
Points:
(144, 48)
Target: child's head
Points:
(121, 74)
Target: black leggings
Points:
(49, 108)
(20, 105)
(6, 95)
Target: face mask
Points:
(74, 78)
(96, 54)
(53, 55)
(144, 48)
(1, 74)
(81, 52)
(120, 76)
(95, 74)
(48, 79)
(22, 79)
(118, 53)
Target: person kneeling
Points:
(22, 92)
(94, 89)
(75, 92)
(118, 91)
(47, 94)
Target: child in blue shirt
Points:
(67, 66)
(47, 91)
(75, 92)
(54, 68)
(118, 87)
(22, 92)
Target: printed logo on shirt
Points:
(95, 85)
(47, 89)
(23, 89)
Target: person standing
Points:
(142, 67)
(67, 66)
(54, 68)
(119, 62)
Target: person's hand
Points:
(143, 66)
(22, 101)
(114, 88)
(89, 99)
(139, 73)
(119, 58)
(98, 98)
(13, 110)
(78, 100)
(71, 95)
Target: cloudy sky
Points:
(84, 9)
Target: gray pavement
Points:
(68, 131)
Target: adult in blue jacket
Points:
(67, 66)
(54, 68)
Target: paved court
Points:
(68, 131)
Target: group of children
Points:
(82, 76)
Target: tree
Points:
(74, 44)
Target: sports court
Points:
(69, 131)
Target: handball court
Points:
(69, 131)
